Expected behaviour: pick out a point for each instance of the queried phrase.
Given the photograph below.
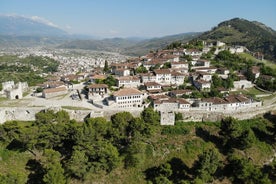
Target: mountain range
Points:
(25, 26)
(128, 46)
(34, 31)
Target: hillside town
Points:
(169, 80)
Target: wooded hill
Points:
(254, 35)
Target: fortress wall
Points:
(28, 113)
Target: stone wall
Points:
(28, 113)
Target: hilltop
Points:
(256, 36)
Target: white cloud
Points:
(68, 27)
(44, 21)
(113, 32)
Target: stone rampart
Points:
(28, 113)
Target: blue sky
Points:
(141, 18)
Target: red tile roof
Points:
(162, 71)
(54, 90)
(152, 84)
(127, 92)
(98, 86)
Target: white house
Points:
(237, 49)
(172, 104)
(128, 81)
(148, 77)
(202, 85)
(182, 70)
(202, 75)
(100, 89)
(53, 92)
(230, 103)
(180, 92)
(220, 44)
(202, 63)
(122, 72)
(177, 78)
(153, 87)
(210, 69)
(163, 76)
(193, 52)
(242, 84)
(128, 97)
(181, 64)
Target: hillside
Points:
(254, 35)
(109, 44)
(128, 46)
(145, 46)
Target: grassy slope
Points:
(266, 62)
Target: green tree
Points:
(196, 94)
(249, 75)
(246, 139)
(54, 173)
(102, 156)
(216, 80)
(167, 65)
(138, 128)
(165, 170)
(77, 166)
(62, 117)
(141, 69)
(13, 178)
(95, 129)
(178, 116)
(45, 117)
(245, 172)
(39, 90)
(230, 131)
(150, 116)
(273, 168)
(135, 154)
(161, 180)
(120, 123)
(9, 130)
(110, 81)
(106, 67)
(207, 165)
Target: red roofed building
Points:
(128, 97)
(100, 89)
(53, 92)
(153, 87)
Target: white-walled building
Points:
(242, 84)
(202, 85)
(148, 77)
(53, 92)
(163, 76)
(153, 87)
(181, 64)
(128, 81)
(230, 103)
(172, 104)
(177, 78)
(128, 97)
